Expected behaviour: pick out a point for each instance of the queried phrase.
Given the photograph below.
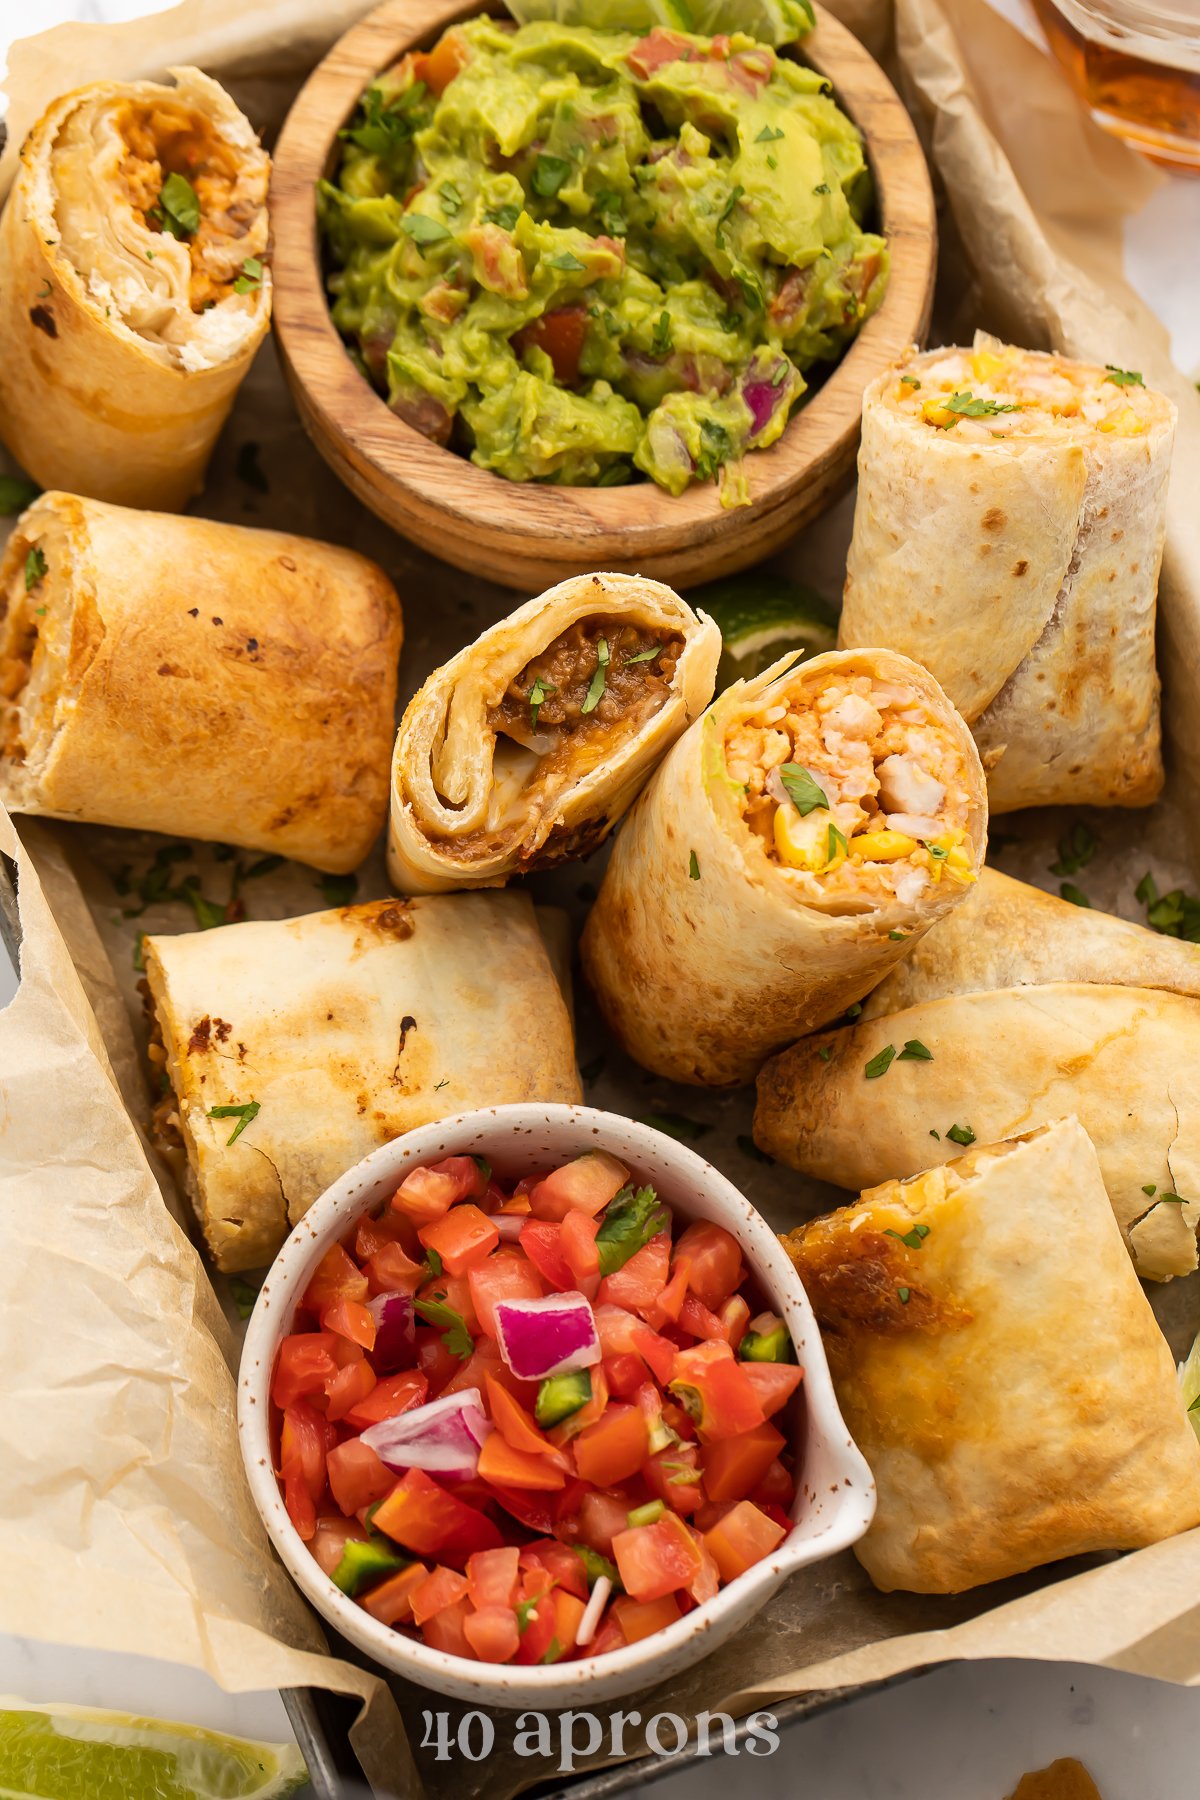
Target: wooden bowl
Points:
(526, 535)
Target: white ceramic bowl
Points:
(835, 1496)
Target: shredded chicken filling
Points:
(168, 140)
(999, 391)
(855, 792)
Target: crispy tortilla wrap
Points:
(787, 853)
(197, 678)
(526, 748)
(1030, 1008)
(133, 286)
(331, 1034)
(1015, 553)
(999, 1366)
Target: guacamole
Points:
(578, 255)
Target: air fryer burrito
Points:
(133, 286)
(526, 748)
(1023, 1008)
(791, 848)
(286, 1051)
(180, 675)
(1008, 533)
(999, 1366)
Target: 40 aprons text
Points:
(579, 1735)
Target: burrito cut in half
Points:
(999, 1367)
(1023, 1008)
(134, 289)
(1008, 533)
(288, 1051)
(526, 748)
(791, 848)
(181, 675)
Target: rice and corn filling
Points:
(855, 792)
(996, 390)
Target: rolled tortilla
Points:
(1016, 555)
(181, 675)
(332, 1034)
(124, 345)
(1030, 1008)
(526, 748)
(733, 917)
(1000, 1368)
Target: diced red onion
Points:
(553, 1336)
(597, 1600)
(509, 1225)
(762, 398)
(443, 1437)
(395, 1332)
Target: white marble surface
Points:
(965, 1732)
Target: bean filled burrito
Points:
(1017, 1010)
(133, 286)
(790, 849)
(203, 679)
(999, 1366)
(526, 748)
(286, 1051)
(1008, 533)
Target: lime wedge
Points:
(1189, 1385)
(770, 21)
(760, 618)
(80, 1753)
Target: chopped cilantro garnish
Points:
(423, 230)
(726, 211)
(644, 655)
(909, 381)
(549, 174)
(504, 216)
(1076, 849)
(386, 125)
(538, 693)
(802, 789)
(1123, 377)
(243, 1115)
(339, 890)
(627, 1226)
(961, 1134)
(1150, 1188)
(596, 687)
(880, 1064)
(451, 1324)
(674, 1124)
(451, 198)
(769, 135)
(968, 407)
(251, 276)
(244, 1295)
(915, 1051)
(178, 209)
(1075, 895)
(35, 567)
(905, 1295)
(568, 262)
(914, 1238)
(835, 842)
(16, 494)
(661, 342)
(1174, 915)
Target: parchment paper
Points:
(124, 1521)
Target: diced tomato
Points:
(567, 1505)
(428, 1194)
(540, 1615)
(695, 1317)
(462, 1238)
(302, 1448)
(735, 1319)
(775, 1489)
(498, 1461)
(562, 335)
(714, 1389)
(329, 1541)
(601, 1516)
(391, 1270)
(350, 1319)
(492, 1633)
(638, 1619)
(304, 1366)
(531, 1509)
(656, 1559)
(427, 1519)
(357, 1478)
(624, 1374)
(733, 1467)
(512, 1203)
(560, 1561)
(449, 56)
(616, 1329)
(486, 1361)
(708, 1577)
(578, 1244)
(568, 1615)
(435, 1362)
(505, 1276)
(677, 1419)
(350, 1387)
(643, 1278)
(657, 1352)
(541, 1240)
(391, 1601)
(511, 1419)
(610, 1636)
(441, 1588)
(655, 51)
(337, 1277)
(374, 1234)
(614, 1448)
(446, 1630)
(391, 1395)
(774, 1383)
(673, 1475)
(585, 1185)
(492, 1577)
(743, 1537)
(668, 1303)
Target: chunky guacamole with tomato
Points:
(577, 256)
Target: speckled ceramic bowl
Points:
(835, 1494)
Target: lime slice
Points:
(1189, 1385)
(80, 1753)
(770, 21)
(760, 618)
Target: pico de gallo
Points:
(527, 1422)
